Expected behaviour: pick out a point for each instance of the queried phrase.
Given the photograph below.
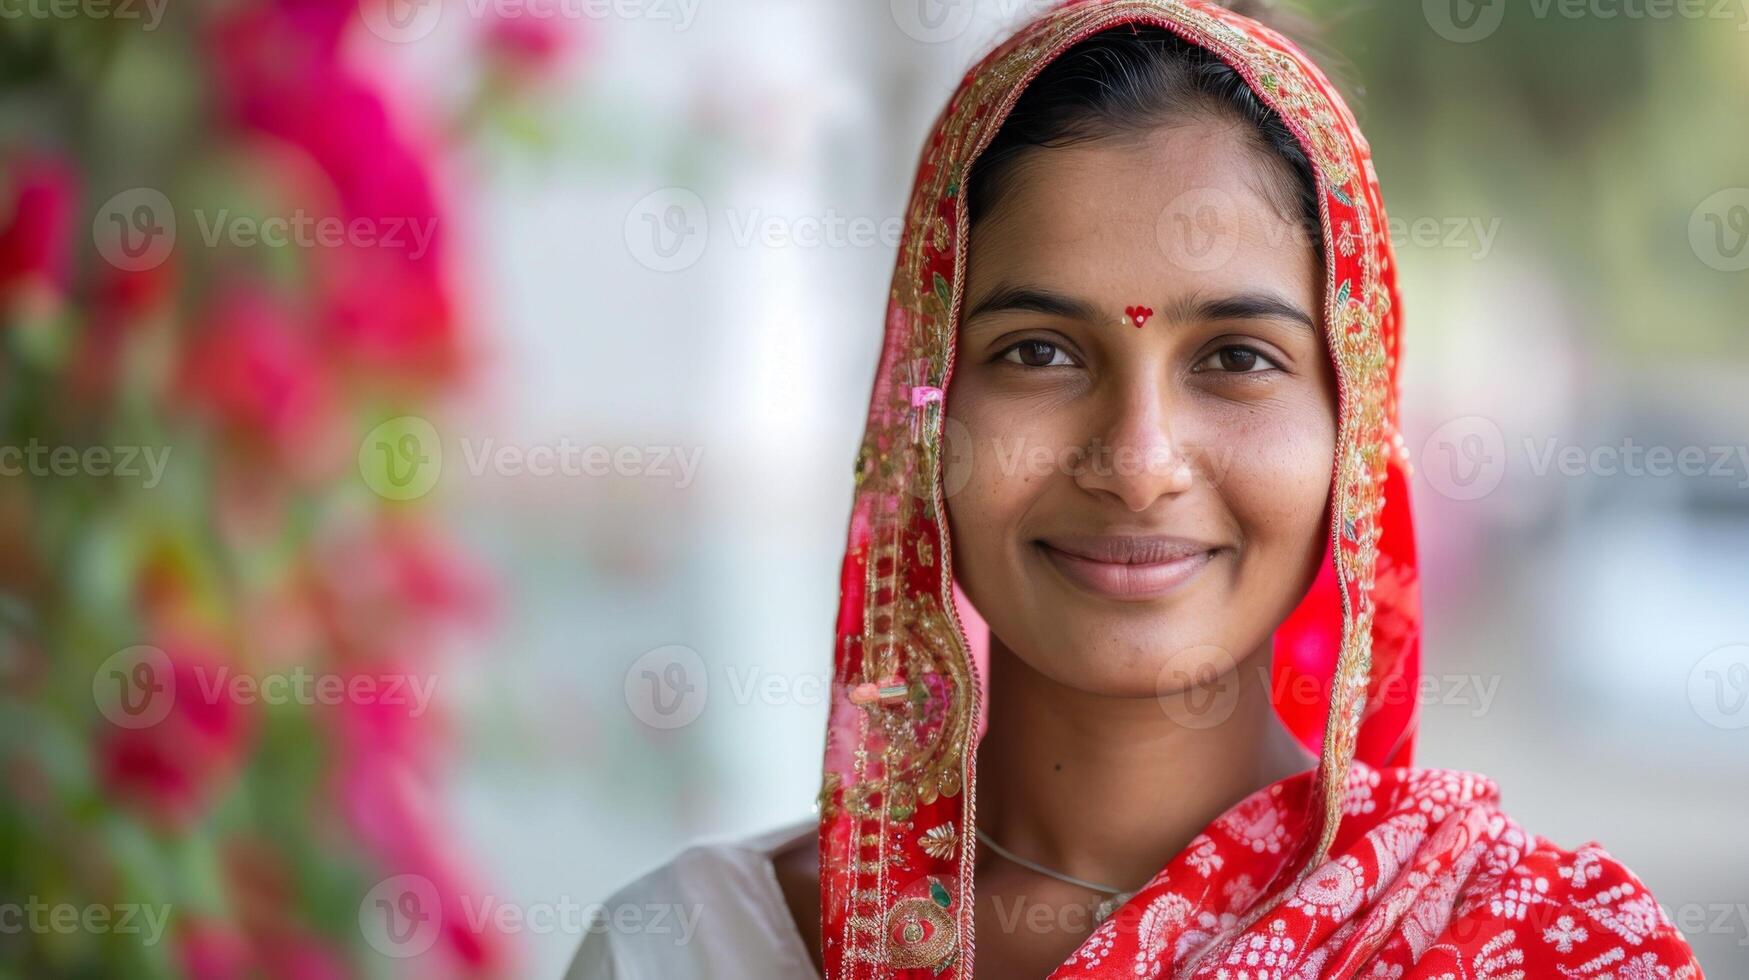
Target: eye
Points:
(1237, 359)
(1038, 354)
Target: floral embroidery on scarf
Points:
(1632, 918)
(1564, 933)
(1334, 890)
(1204, 855)
(1399, 897)
(1259, 824)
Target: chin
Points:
(1105, 656)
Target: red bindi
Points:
(1138, 315)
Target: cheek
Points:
(1272, 465)
(994, 486)
(1006, 458)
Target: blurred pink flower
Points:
(211, 950)
(389, 313)
(530, 43)
(175, 767)
(427, 571)
(36, 225)
(303, 957)
(390, 589)
(385, 303)
(252, 369)
(385, 784)
(319, 22)
(122, 294)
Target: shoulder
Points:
(1560, 912)
(1521, 901)
(711, 904)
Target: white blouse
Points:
(714, 911)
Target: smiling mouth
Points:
(1126, 567)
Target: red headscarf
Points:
(1363, 867)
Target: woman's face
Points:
(1142, 507)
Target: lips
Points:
(1127, 567)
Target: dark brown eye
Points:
(1236, 360)
(1037, 353)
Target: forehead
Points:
(1190, 205)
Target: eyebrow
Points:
(1238, 306)
(1034, 300)
(1244, 306)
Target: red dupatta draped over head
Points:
(898, 792)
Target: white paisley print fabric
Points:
(1427, 880)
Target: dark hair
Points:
(1129, 80)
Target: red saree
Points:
(1363, 867)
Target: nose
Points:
(1133, 456)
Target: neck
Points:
(1110, 789)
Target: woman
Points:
(1141, 359)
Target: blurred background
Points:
(392, 393)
